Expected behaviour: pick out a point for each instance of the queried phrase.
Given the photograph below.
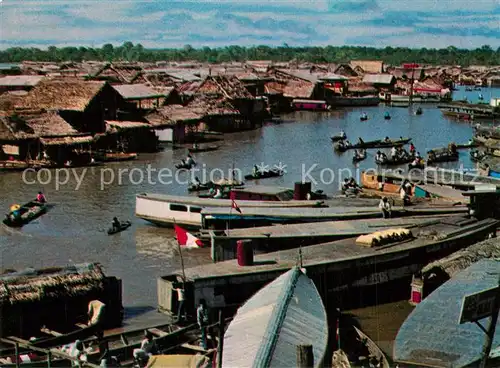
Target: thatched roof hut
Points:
(36, 285)
(462, 259)
(73, 95)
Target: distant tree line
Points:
(484, 55)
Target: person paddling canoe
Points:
(116, 224)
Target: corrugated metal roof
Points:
(20, 80)
(268, 327)
(432, 335)
(378, 78)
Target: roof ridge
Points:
(264, 354)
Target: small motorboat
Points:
(363, 117)
(22, 215)
(123, 226)
(394, 161)
(419, 111)
(203, 149)
(477, 88)
(264, 175)
(387, 116)
(468, 89)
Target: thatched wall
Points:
(57, 298)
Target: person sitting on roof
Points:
(41, 198)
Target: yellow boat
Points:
(176, 361)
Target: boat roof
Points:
(432, 335)
(336, 251)
(292, 212)
(268, 327)
(212, 202)
(262, 189)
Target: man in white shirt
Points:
(180, 299)
(394, 152)
(385, 207)
(148, 348)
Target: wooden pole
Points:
(16, 349)
(49, 358)
(220, 345)
(305, 357)
(491, 328)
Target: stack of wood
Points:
(384, 237)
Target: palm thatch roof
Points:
(37, 285)
(462, 259)
(120, 73)
(212, 106)
(114, 126)
(49, 124)
(14, 128)
(70, 94)
(170, 115)
(229, 87)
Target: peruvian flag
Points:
(235, 206)
(186, 239)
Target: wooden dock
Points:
(344, 272)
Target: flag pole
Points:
(182, 259)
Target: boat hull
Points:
(165, 210)
(266, 175)
(29, 212)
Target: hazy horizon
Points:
(160, 24)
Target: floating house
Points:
(267, 329)
(432, 335)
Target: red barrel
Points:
(244, 252)
(298, 191)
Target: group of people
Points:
(350, 184)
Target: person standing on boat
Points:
(180, 299)
(202, 319)
(255, 171)
(412, 149)
(343, 135)
(385, 207)
(218, 193)
(394, 152)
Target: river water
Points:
(75, 229)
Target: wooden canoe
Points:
(27, 213)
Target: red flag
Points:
(235, 206)
(186, 239)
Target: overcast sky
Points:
(175, 23)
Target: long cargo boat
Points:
(379, 143)
(347, 273)
(167, 210)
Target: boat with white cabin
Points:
(167, 210)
